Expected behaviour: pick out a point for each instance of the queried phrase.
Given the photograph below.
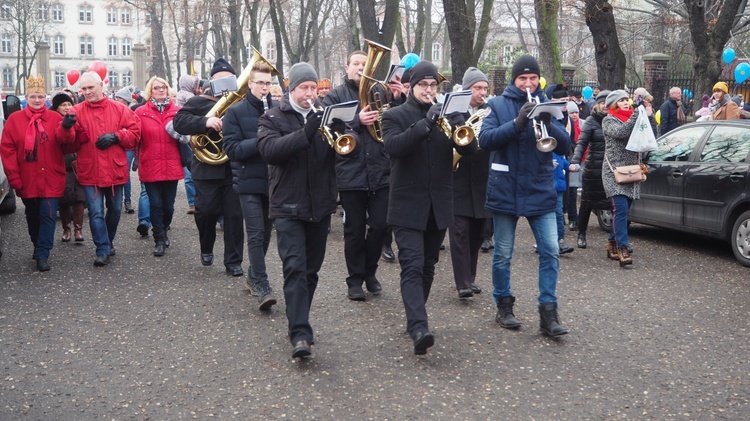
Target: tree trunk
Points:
(546, 12)
(461, 26)
(236, 39)
(610, 60)
(384, 35)
(427, 49)
(272, 4)
(157, 41)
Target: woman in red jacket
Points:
(33, 158)
(160, 166)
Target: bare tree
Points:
(466, 37)
(28, 30)
(388, 25)
(549, 52)
(610, 60)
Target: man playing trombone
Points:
(362, 179)
(521, 184)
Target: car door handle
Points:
(676, 173)
(736, 177)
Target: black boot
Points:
(548, 320)
(160, 240)
(505, 317)
(355, 291)
(581, 240)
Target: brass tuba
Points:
(373, 92)
(208, 150)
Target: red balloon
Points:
(99, 67)
(73, 75)
(106, 81)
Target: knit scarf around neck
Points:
(160, 106)
(33, 130)
(622, 115)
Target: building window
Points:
(43, 12)
(148, 47)
(5, 12)
(197, 50)
(6, 43)
(87, 46)
(148, 19)
(126, 44)
(507, 54)
(271, 51)
(59, 79)
(8, 78)
(114, 79)
(85, 14)
(111, 16)
(127, 78)
(112, 46)
(125, 16)
(535, 52)
(57, 12)
(58, 45)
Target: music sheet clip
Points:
(554, 108)
(456, 102)
(346, 112)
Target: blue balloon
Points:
(587, 92)
(409, 60)
(690, 94)
(741, 72)
(728, 55)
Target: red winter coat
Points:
(159, 154)
(109, 167)
(45, 177)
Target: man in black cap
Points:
(214, 195)
(520, 184)
(421, 192)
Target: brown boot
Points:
(624, 256)
(78, 233)
(612, 252)
(65, 218)
(66, 235)
(78, 221)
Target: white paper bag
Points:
(642, 137)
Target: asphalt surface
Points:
(149, 338)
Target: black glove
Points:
(68, 121)
(314, 118)
(456, 119)
(545, 118)
(134, 167)
(106, 140)
(523, 116)
(434, 112)
(337, 126)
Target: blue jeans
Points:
(189, 187)
(104, 227)
(144, 208)
(545, 233)
(128, 187)
(560, 215)
(41, 215)
(620, 210)
(258, 230)
(161, 195)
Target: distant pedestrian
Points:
(673, 112)
(726, 109)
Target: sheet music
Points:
(396, 70)
(554, 108)
(456, 102)
(346, 112)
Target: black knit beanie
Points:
(524, 65)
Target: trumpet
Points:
(462, 136)
(544, 142)
(343, 144)
(474, 123)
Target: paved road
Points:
(150, 338)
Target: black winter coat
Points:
(421, 167)
(669, 116)
(368, 167)
(240, 128)
(301, 173)
(592, 137)
(470, 184)
(190, 120)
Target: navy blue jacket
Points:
(521, 181)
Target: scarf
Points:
(680, 114)
(622, 115)
(159, 106)
(33, 131)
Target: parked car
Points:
(699, 183)
(7, 196)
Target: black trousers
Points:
(466, 236)
(302, 247)
(214, 198)
(418, 252)
(364, 230)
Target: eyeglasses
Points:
(260, 83)
(425, 85)
(159, 88)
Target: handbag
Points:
(626, 174)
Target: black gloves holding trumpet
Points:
(523, 116)
(314, 118)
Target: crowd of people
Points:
(279, 172)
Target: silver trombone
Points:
(544, 142)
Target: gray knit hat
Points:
(300, 73)
(125, 93)
(472, 76)
(572, 107)
(615, 96)
(602, 96)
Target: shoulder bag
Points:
(626, 174)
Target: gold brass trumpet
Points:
(544, 142)
(474, 123)
(343, 144)
(462, 136)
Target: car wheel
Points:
(741, 239)
(9, 203)
(604, 217)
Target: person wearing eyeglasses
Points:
(250, 176)
(421, 192)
